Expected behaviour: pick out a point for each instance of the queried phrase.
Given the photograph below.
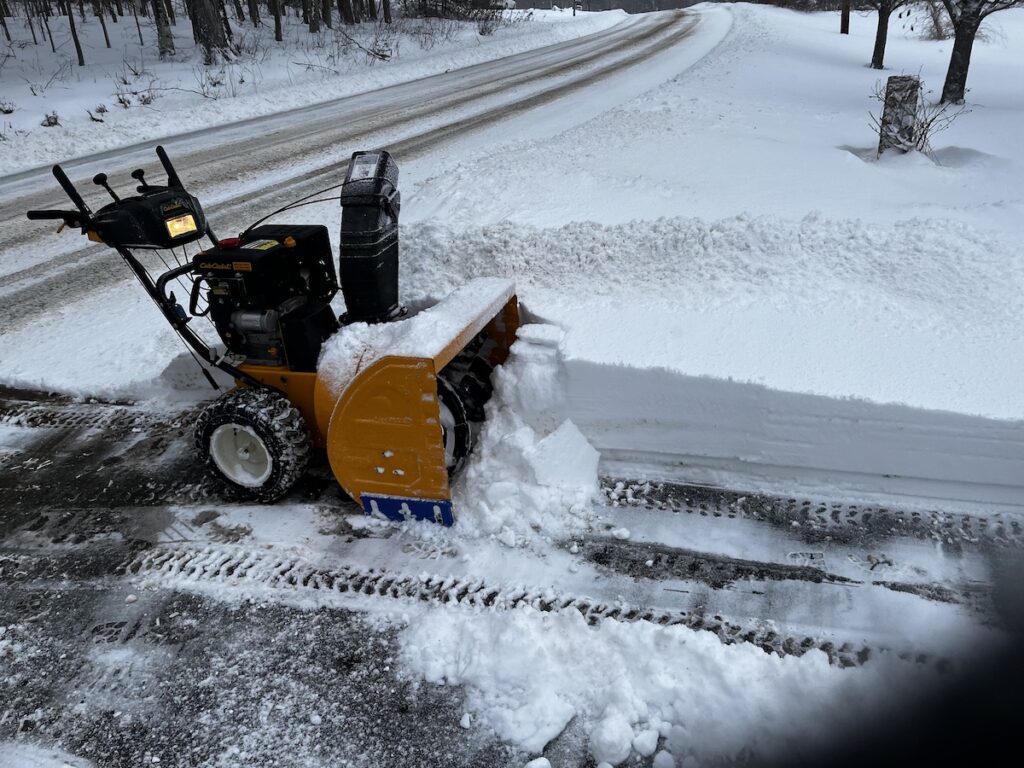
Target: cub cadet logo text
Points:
(238, 266)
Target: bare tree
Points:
(165, 40)
(74, 32)
(278, 34)
(885, 9)
(209, 29)
(966, 17)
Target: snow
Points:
(266, 78)
(716, 280)
(521, 479)
(528, 674)
(425, 334)
(23, 754)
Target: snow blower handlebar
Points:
(159, 217)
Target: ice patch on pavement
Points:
(639, 686)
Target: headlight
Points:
(180, 226)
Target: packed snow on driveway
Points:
(715, 270)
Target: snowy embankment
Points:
(144, 98)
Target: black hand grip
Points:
(165, 161)
(51, 214)
(69, 188)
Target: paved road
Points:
(247, 169)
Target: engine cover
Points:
(269, 296)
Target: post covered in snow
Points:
(899, 123)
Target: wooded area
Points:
(209, 19)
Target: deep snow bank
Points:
(914, 312)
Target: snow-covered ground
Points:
(734, 278)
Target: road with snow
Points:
(243, 170)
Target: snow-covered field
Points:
(715, 270)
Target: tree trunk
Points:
(103, 23)
(227, 24)
(278, 35)
(960, 61)
(165, 40)
(312, 11)
(325, 13)
(881, 35)
(345, 9)
(386, 5)
(3, 23)
(138, 26)
(31, 26)
(371, 9)
(74, 35)
(169, 7)
(239, 13)
(49, 34)
(254, 12)
(844, 18)
(209, 30)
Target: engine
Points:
(269, 294)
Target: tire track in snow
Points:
(177, 566)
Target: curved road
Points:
(249, 168)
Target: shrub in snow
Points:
(50, 120)
(6, 107)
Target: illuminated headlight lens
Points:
(182, 225)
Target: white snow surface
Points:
(424, 335)
(23, 754)
(633, 685)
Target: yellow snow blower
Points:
(391, 395)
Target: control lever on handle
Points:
(100, 180)
(69, 188)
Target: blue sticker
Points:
(402, 509)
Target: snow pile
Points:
(640, 687)
(908, 312)
(425, 334)
(26, 755)
(704, 264)
(531, 470)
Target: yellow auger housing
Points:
(374, 403)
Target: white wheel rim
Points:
(448, 434)
(241, 455)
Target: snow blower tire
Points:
(457, 436)
(256, 441)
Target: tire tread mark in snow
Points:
(817, 520)
(174, 565)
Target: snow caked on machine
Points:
(393, 410)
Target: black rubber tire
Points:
(461, 433)
(277, 423)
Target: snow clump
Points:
(531, 469)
